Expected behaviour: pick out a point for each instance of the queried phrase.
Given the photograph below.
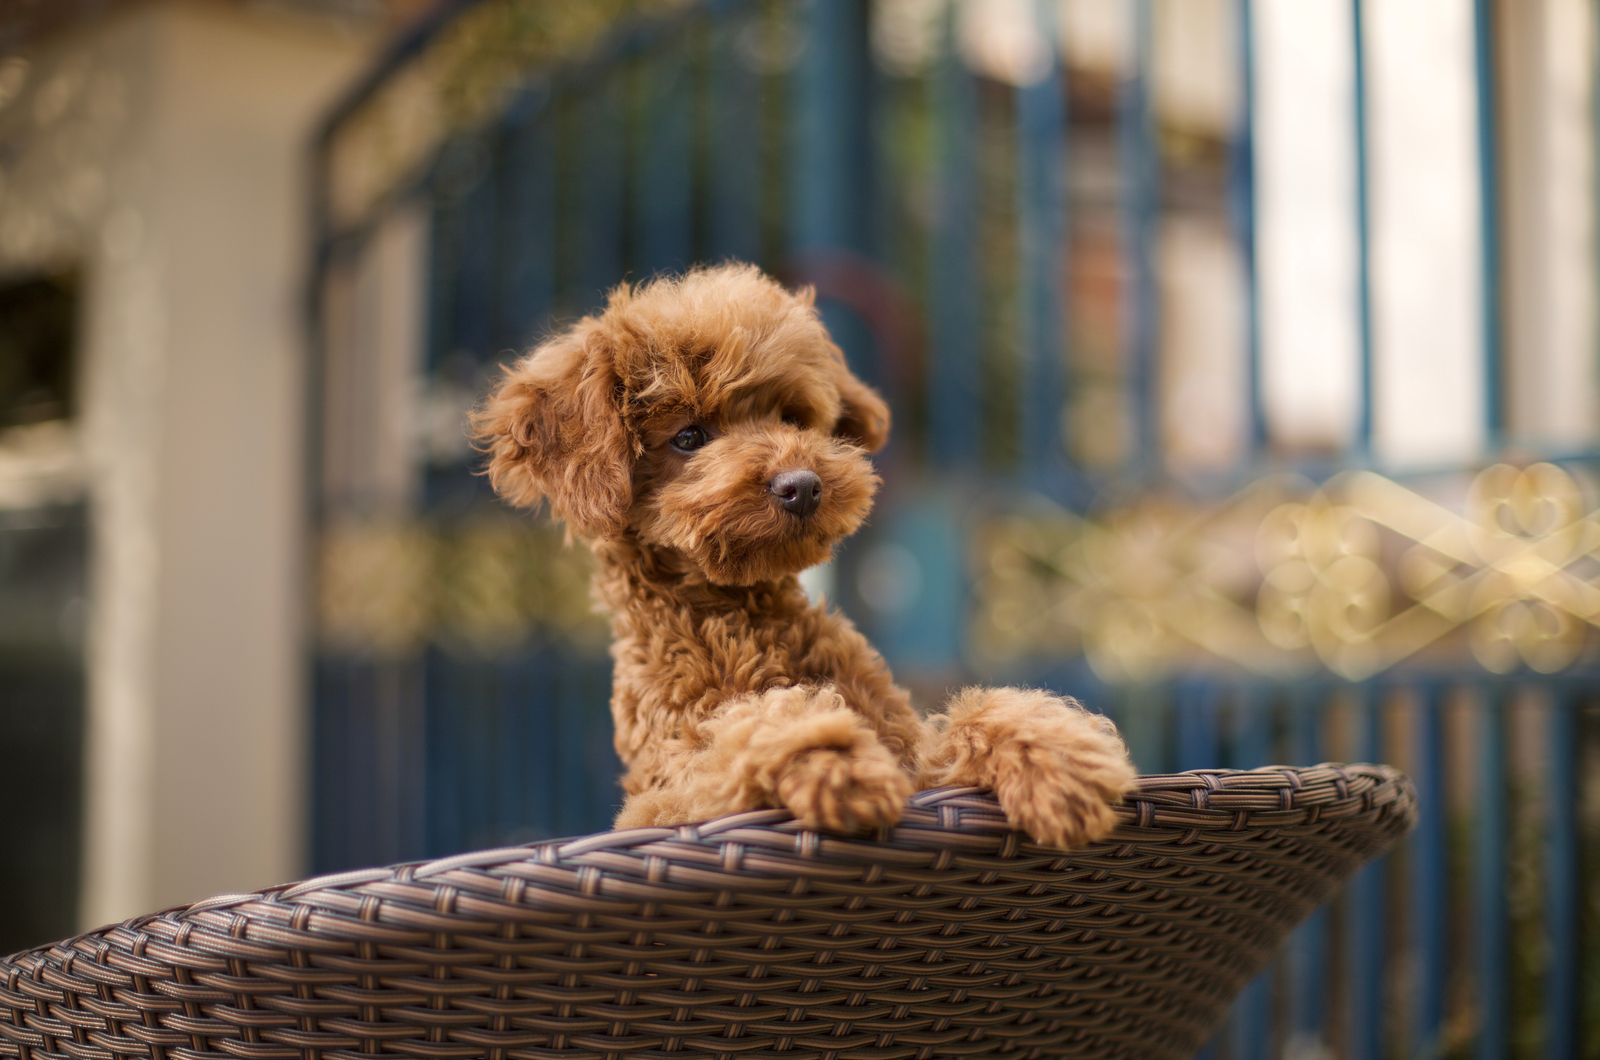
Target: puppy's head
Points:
(708, 414)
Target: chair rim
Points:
(1206, 872)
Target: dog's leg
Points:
(1055, 767)
(802, 749)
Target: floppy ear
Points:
(553, 428)
(863, 416)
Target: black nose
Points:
(798, 491)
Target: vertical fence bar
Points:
(1365, 910)
(1041, 120)
(1142, 215)
(954, 401)
(1429, 896)
(1490, 915)
(1242, 204)
(1563, 896)
(1363, 228)
(1489, 222)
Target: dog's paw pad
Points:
(848, 791)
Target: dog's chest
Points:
(692, 657)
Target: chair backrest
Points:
(949, 935)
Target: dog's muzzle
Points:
(798, 492)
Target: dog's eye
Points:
(689, 439)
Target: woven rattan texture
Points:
(745, 937)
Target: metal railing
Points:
(989, 234)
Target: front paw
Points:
(854, 789)
(1056, 769)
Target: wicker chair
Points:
(743, 937)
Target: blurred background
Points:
(1243, 356)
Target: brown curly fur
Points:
(731, 690)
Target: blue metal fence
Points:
(987, 254)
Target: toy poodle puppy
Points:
(703, 435)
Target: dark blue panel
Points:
(1252, 728)
(444, 255)
(410, 789)
(913, 582)
(1429, 898)
(735, 138)
(475, 277)
(663, 162)
(1491, 919)
(349, 770)
(528, 192)
(328, 798)
(518, 747)
(444, 760)
(1563, 892)
(525, 755)
(954, 398)
(586, 768)
(595, 239)
(830, 162)
(1307, 956)
(1148, 728)
(1250, 1024)
(1198, 743)
(1041, 227)
(1365, 910)
(465, 295)
(44, 563)
(471, 695)
(1141, 168)
(600, 756)
(368, 775)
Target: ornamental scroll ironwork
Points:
(482, 587)
(1356, 577)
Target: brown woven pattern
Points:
(745, 937)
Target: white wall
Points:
(1428, 373)
(1547, 194)
(185, 129)
(1308, 264)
